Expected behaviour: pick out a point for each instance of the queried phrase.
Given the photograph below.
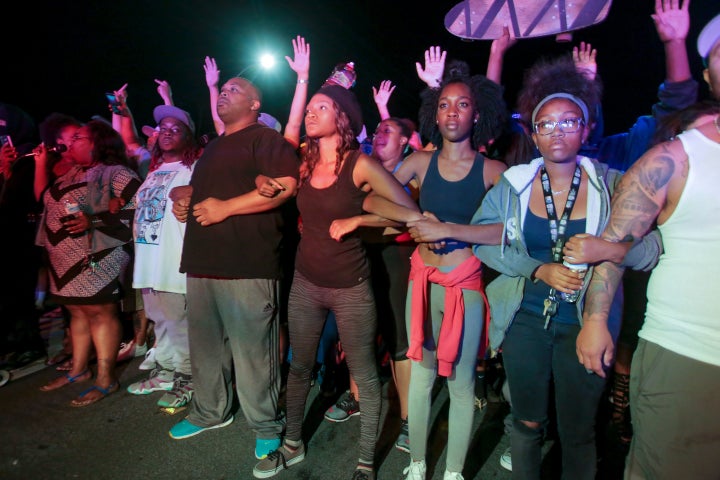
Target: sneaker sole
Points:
(402, 447)
(341, 420)
(505, 464)
(198, 432)
(279, 468)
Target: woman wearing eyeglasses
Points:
(88, 249)
(542, 204)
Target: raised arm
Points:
(497, 54)
(165, 92)
(300, 64)
(212, 77)
(672, 23)
(584, 58)
(124, 123)
(381, 95)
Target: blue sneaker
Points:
(263, 447)
(185, 429)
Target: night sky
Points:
(87, 48)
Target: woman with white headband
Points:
(536, 303)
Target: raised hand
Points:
(672, 19)
(164, 91)
(584, 59)
(300, 63)
(382, 95)
(434, 67)
(121, 94)
(501, 44)
(212, 74)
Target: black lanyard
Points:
(557, 229)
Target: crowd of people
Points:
(475, 236)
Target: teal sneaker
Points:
(263, 447)
(185, 429)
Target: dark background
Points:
(64, 55)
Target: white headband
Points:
(568, 96)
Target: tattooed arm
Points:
(647, 191)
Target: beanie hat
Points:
(164, 111)
(348, 103)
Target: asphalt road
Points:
(125, 437)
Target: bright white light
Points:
(267, 61)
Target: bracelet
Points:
(300, 80)
(96, 221)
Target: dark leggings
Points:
(354, 310)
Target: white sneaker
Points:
(506, 460)
(416, 471)
(158, 380)
(149, 362)
(131, 350)
(452, 476)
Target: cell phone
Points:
(114, 103)
(5, 140)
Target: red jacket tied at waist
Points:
(467, 276)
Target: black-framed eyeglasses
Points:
(567, 125)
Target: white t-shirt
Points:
(157, 234)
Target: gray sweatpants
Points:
(235, 323)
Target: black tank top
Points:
(454, 202)
(321, 259)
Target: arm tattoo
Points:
(656, 173)
(640, 195)
(636, 203)
(601, 290)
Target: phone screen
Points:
(5, 139)
(114, 104)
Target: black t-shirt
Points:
(241, 246)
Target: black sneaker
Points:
(403, 441)
(19, 360)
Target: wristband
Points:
(300, 80)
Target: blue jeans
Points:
(535, 358)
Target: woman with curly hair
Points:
(89, 249)
(332, 271)
(536, 321)
(446, 316)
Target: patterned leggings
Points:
(354, 310)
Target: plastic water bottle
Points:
(72, 209)
(580, 268)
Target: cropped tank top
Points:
(454, 202)
(322, 260)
